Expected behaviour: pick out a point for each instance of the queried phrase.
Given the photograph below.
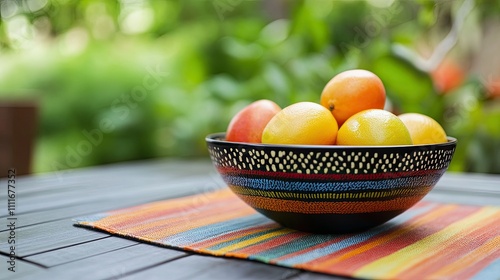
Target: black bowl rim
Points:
(218, 138)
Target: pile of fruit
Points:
(351, 112)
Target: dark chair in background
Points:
(18, 128)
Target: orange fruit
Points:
(305, 123)
(373, 127)
(448, 76)
(423, 129)
(493, 86)
(351, 92)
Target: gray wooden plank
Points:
(109, 174)
(50, 215)
(476, 181)
(149, 191)
(21, 268)
(48, 236)
(112, 264)
(80, 251)
(467, 191)
(207, 267)
(462, 198)
(468, 187)
(96, 187)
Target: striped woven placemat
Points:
(429, 241)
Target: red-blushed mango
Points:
(247, 125)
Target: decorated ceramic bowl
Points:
(329, 189)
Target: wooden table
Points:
(48, 246)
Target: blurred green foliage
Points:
(134, 79)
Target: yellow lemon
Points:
(305, 123)
(373, 127)
(423, 129)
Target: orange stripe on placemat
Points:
(351, 258)
(449, 258)
(338, 207)
(483, 262)
(479, 260)
(160, 229)
(475, 261)
(200, 214)
(392, 265)
(417, 231)
(144, 213)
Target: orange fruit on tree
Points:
(373, 127)
(351, 92)
(448, 76)
(423, 129)
(304, 123)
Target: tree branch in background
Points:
(444, 47)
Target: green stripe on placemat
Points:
(429, 241)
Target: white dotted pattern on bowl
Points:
(331, 162)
